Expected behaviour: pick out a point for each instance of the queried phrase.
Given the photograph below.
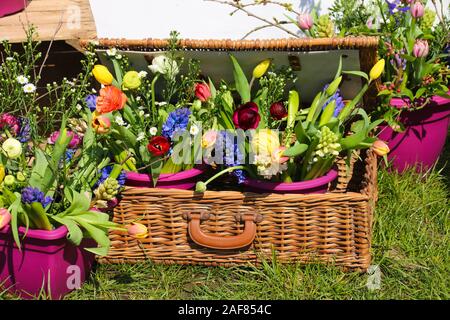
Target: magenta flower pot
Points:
(183, 180)
(319, 185)
(421, 144)
(12, 6)
(48, 264)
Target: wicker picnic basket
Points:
(225, 228)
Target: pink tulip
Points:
(5, 218)
(421, 49)
(305, 21)
(417, 10)
(137, 230)
(101, 124)
(380, 148)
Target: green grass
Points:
(411, 245)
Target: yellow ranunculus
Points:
(265, 142)
(377, 70)
(131, 80)
(102, 74)
(12, 148)
(261, 69)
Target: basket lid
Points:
(315, 61)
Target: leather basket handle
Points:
(222, 243)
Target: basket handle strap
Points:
(222, 243)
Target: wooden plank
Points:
(71, 19)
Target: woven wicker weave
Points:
(333, 227)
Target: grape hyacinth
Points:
(232, 155)
(106, 172)
(396, 6)
(25, 130)
(91, 101)
(339, 101)
(176, 122)
(31, 195)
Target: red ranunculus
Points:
(158, 146)
(278, 111)
(202, 92)
(246, 116)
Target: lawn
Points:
(411, 246)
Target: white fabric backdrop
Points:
(195, 19)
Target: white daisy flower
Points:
(79, 107)
(9, 59)
(22, 79)
(143, 74)
(138, 98)
(153, 131)
(140, 136)
(29, 88)
(146, 115)
(194, 130)
(111, 52)
(119, 120)
(160, 104)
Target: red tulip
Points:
(278, 111)
(246, 116)
(202, 92)
(158, 146)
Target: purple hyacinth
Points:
(31, 195)
(398, 62)
(106, 172)
(91, 101)
(232, 154)
(176, 122)
(339, 101)
(25, 130)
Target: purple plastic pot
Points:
(319, 185)
(48, 263)
(12, 6)
(421, 144)
(183, 180)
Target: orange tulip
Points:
(380, 148)
(137, 230)
(110, 99)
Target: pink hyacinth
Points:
(10, 122)
(74, 142)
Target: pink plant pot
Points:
(423, 140)
(184, 180)
(12, 6)
(319, 185)
(47, 264)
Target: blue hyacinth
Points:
(31, 195)
(176, 122)
(106, 172)
(232, 155)
(339, 101)
(396, 6)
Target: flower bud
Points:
(278, 111)
(421, 49)
(5, 217)
(305, 21)
(202, 92)
(102, 74)
(9, 180)
(261, 69)
(377, 70)
(417, 9)
(380, 148)
(137, 230)
(200, 187)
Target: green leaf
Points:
(296, 150)
(241, 82)
(420, 92)
(300, 133)
(75, 235)
(339, 70)
(212, 88)
(293, 105)
(358, 74)
(100, 235)
(39, 169)
(156, 167)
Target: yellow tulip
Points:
(261, 69)
(377, 70)
(2, 173)
(102, 74)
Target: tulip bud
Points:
(278, 111)
(261, 69)
(200, 187)
(305, 21)
(131, 80)
(137, 230)
(102, 74)
(202, 92)
(417, 10)
(380, 148)
(2, 172)
(5, 218)
(421, 49)
(377, 70)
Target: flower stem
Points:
(154, 97)
(225, 171)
